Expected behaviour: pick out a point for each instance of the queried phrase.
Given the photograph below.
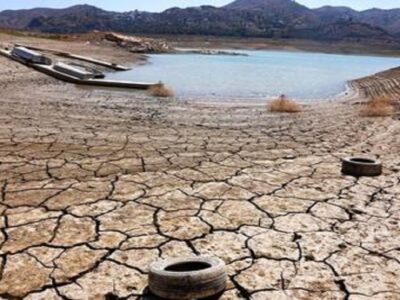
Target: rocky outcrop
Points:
(138, 44)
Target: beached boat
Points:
(30, 56)
(69, 73)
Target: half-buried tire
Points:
(187, 278)
(359, 166)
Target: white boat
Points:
(30, 56)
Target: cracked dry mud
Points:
(97, 184)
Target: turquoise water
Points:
(260, 75)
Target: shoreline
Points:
(236, 43)
(236, 52)
(350, 90)
(123, 56)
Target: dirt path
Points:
(96, 184)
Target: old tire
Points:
(187, 278)
(359, 166)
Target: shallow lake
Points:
(260, 75)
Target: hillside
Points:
(248, 18)
(265, 5)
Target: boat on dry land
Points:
(106, 64)
(66, 72)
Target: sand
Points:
(96, 184)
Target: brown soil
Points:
(96, 184)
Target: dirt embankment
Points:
(385, 83)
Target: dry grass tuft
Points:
(378, 107)
(283, 104)
(160, 90)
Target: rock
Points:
(138, 44)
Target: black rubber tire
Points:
(359, 167)
(197, 284)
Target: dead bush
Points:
(283, 104)
(378, 107)
(160, 90)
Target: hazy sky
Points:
(159, 5)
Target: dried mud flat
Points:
(96, 184)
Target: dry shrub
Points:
(160, 90)
(378, 107)
(284, 104)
